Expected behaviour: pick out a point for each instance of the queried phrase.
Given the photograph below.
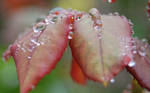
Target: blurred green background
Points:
(17, 15)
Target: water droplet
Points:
(111, 1)
(145, 42)
(23, 49)
(131, 63)
(116, 13)
(134, 51)
(54, 19)
(70, 35)
(99, 22)
(40, 19)
(29, 57)
(70, 27)
(94, 12)
(31, 48)
(33, 41)
(131, 24)
(126, 46)
(55, 10)
(97, 27)
(134, 47)
(99, 36)
(141, 51)
(39, 27)
(112, 80)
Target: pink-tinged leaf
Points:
(141, 69)
(77, 73)
(102, 55)
(37, 52)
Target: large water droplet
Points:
(40, 19)
(131, 63)
(39, 27)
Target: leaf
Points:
(136, 88)
(77, 73)
(142, 63)
(37, 52)
(101, 55)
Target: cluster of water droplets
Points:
(73, 16)
(138, 48)
(96, 16)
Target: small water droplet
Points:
(141, 51)
(33, 41)
(111, 1)
(31, 48)
(94, 13)
(29, 57)
(126, 46)
(116, 13)
(131, 63)
(112, 80)
(70, 27)
(97, 27)
(99, 36)
(134, 51)
(55, 10)
(23, 49)
(145, 42)
(134, 47)
(39, 27)
(129, 21)
(99, 22)
(70, 35)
